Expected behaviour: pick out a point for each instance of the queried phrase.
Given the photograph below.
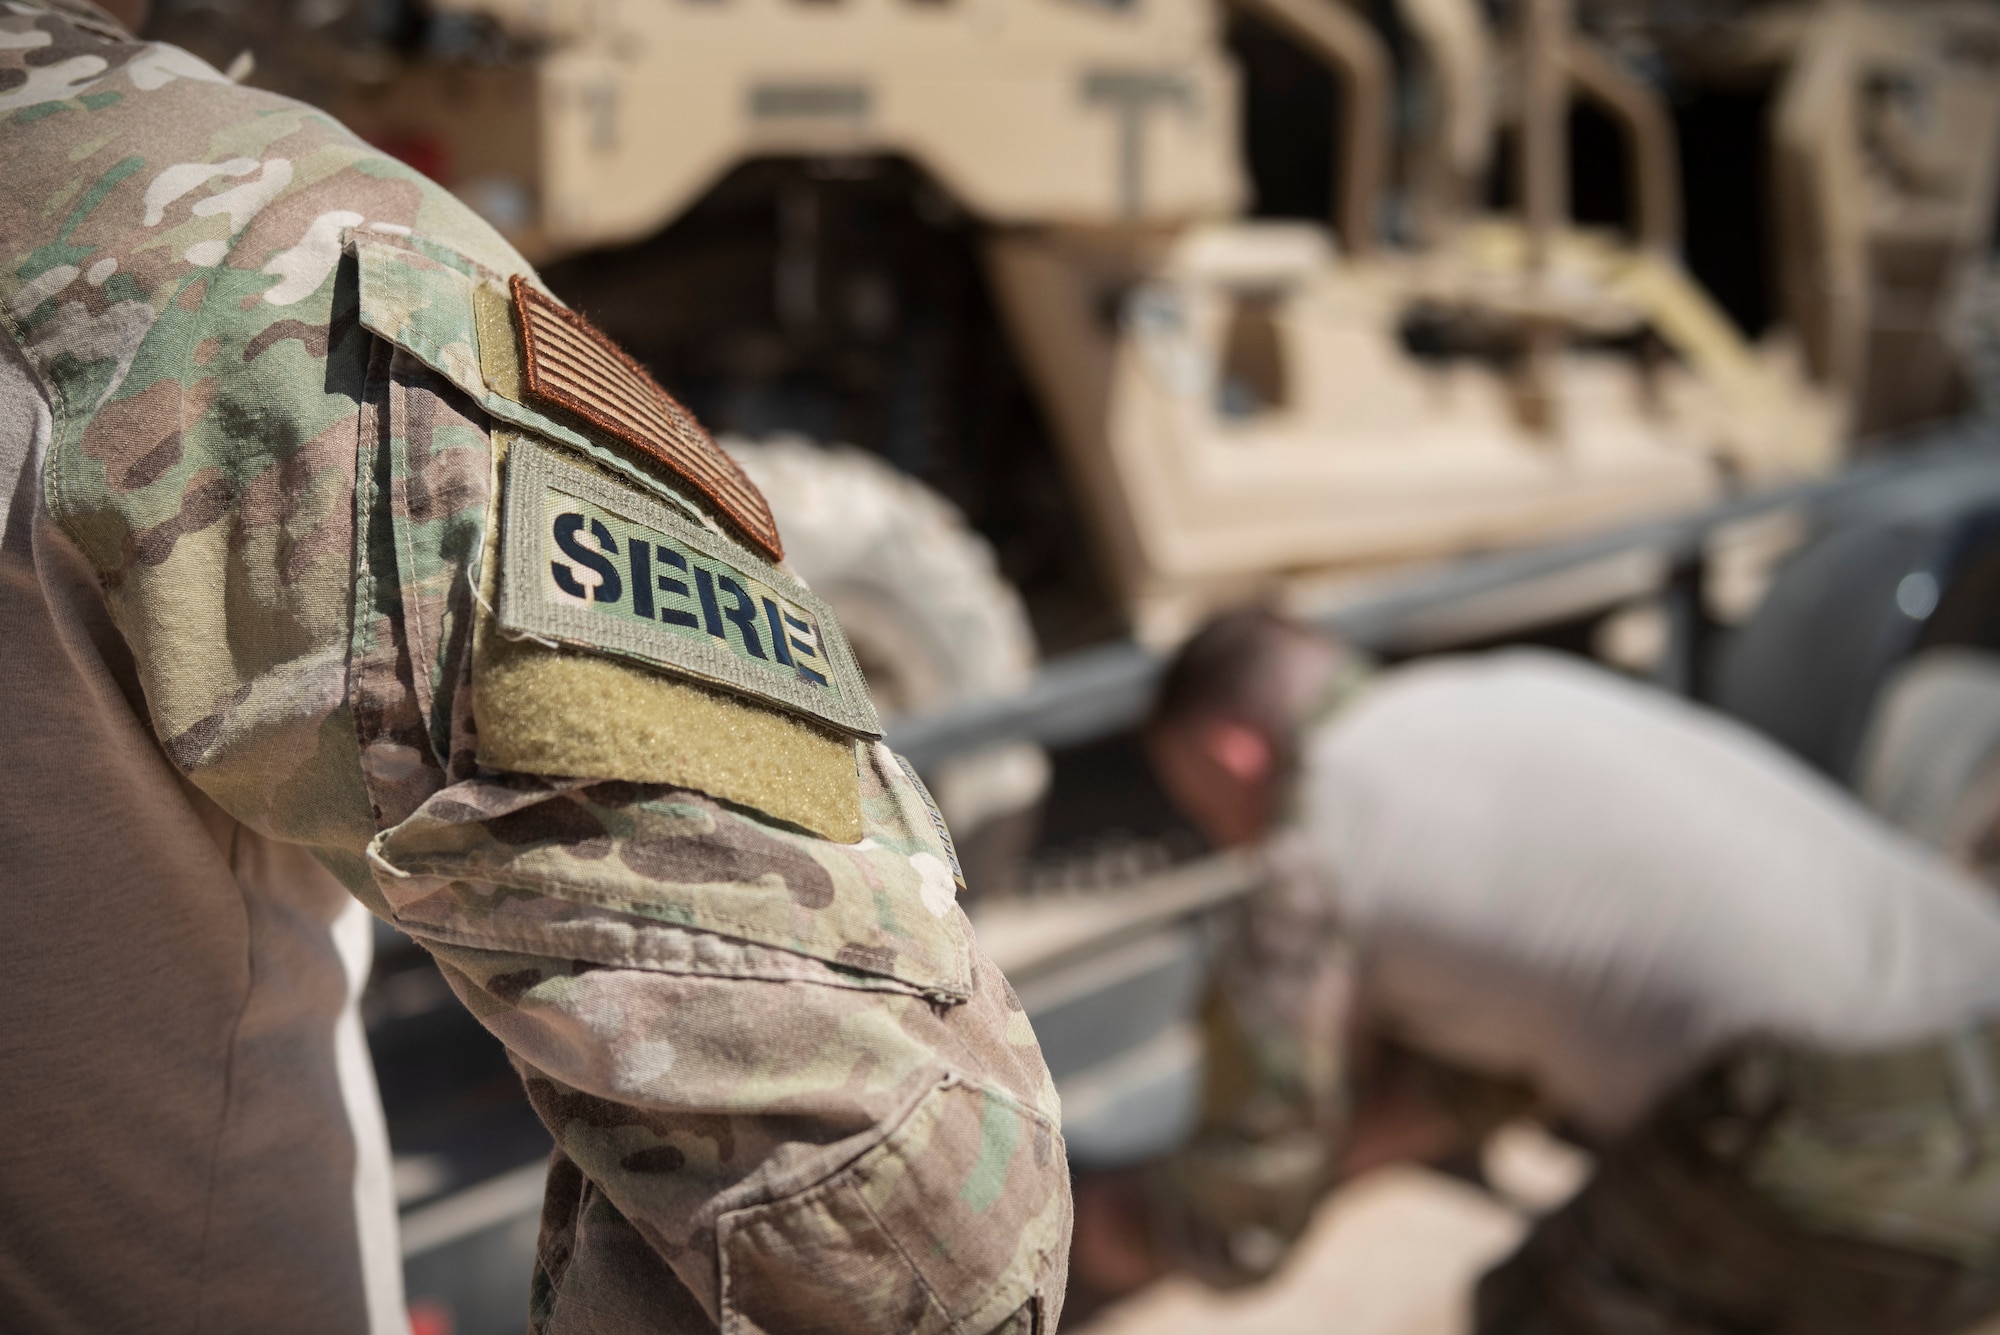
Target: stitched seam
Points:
(603, 899)
(374, 421)
(365, 583)
(422, 247)
(923, 1280)
(985, 1299)
(828, 1185)
(362, 587)
(777, 1195)
(421, 668)
(836, 1182)
(778, 973)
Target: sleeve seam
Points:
(957, 987)
(778, 972)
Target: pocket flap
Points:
(950, 1224)
(424, 298)
(884, 907)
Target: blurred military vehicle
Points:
(1293, 290)
(1057, 320)
(1176, 302)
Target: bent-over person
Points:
(1773, 1017)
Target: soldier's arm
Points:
(800, 1143)
(1229, 1204)
(724, 950)
(800, 1156)
(1299, 1093)
(782, 1078)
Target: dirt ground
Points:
(1394, 1253)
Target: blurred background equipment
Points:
(1058, 323)
(930, 619)
(1931, 760)
(1069, 262)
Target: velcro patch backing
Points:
(499, 345)
(567, 362)
(546, 711)
(592, 562)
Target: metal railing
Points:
(1097, 692)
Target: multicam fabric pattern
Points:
(428, 300)
(788, 1081)
(1232, 1201)
(944, 1186)
(1675, 1235)
(532, 859)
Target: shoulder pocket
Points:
(714, 832)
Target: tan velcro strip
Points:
(566, 361)
(499, 346)
(577, 715)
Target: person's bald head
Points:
(1220, 734)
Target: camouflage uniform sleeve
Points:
(788, 1083)
(1230, 1203)
(785, 1087)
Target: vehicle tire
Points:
(1931, 762)
(931, 619)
